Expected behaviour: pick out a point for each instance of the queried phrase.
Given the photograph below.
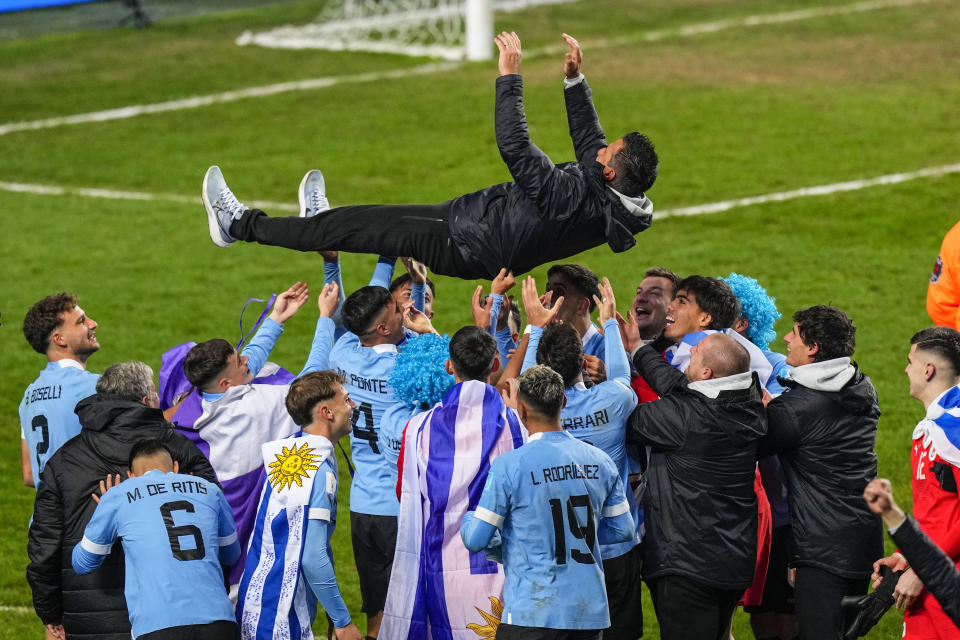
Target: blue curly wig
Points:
(757, 307)
(418, 378)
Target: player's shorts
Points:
(623, 580)
(374, 541)
(777, 592)
(925, 620)
(219, 630)
(516, 632)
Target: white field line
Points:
(321, 83)
(713, 207)
(9, 609)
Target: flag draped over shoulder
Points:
(941, 426)
(438, 589)
(679, 354)
(275, 601)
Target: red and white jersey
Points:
(936, 478)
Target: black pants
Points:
(418, 231)
(688, 609)
(219, 630)
(624, 595)
(516, 632)
(817, 594)
(374, 541)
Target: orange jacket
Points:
(943, 292)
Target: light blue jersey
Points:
(390, 438)
(176, 529)
(366, 371)
(47, 417)
(594, 344)
(554, 500)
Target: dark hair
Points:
(941, 341)
(541, 388)
(636, 165)
(583, 280)
(43, 319)
(146, 448)
(361, 308)
(561, 349)
(205, 360)
(472, 351)
(829, 328)
(663, 272)
(309, 390)
(404, 278)
(715, 297)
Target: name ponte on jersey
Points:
(50, 392)
(375, 385)
(594, 419)
(568, 472)
(156, 488)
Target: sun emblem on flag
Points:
(291, 466)
(489, 630)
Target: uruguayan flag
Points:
(679, 354)
(941, 427)
(439, 589)
(275, 601)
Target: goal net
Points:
(447, 29)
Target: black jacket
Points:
(700, 508)
(825, 440)
(938, 572)
(93, 605)
(550, 211)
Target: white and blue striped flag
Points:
(941, 426)
(679, 354)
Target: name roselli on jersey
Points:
(186, 486)
(50, 392)
(568, 472)
(594, 419)
(375, 385)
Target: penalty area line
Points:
(700, 209)
(11, 609)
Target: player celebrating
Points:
(155, 510)
(554, 501)
(548, 213)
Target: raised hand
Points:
(606, 303)
(573, 58)
(417, 270)
(537, 314)
(510, 54)
(329, 300)
(595, 368)
(481, 308)
(330, 256)
(417, 321)
(503, 282)
(289, 302)
(509, 394)
(106, 485)
(630, 332)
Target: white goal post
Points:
(448, 29)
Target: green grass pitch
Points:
(738, 112)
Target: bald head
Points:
(717, 356)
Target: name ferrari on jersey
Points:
(594, 419)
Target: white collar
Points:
(828, 375)
(63, 363)
(591, 331)
(711, 388)
(384, 348)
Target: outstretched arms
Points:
(582, 117)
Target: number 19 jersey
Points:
(547, 497)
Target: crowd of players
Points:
(700, 462)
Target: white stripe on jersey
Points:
(616, 510)
(317, 513)
(488, 516)
(93, 547)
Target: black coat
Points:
(938, 572)
(92, 605)
(700, 508)
(550, 211)
(826, 444)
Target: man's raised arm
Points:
(585, 130)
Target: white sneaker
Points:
(222, 207)
(313, 196)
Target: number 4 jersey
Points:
(175, 529)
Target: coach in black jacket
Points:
(824, 426)
(122, 413)
(548, 213)
(700, 508)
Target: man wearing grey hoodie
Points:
(824, 427)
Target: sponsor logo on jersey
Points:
(937, 270)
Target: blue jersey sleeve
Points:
(496, 303)
(226, 530)
(418, 293)
(319, 358)
(383, 272)
(616, 522)
(492, 509)
(505, 343)
(530, 358)
(262, 343)
(332, 273)
(99, 535)
(317, 555)
(617, 363)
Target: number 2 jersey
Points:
(547, 498)
(172, 527)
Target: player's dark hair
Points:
(206, 360)
(636, 165)
(714, 297)
(829, 328)
(309, 390)
(361, 308)
(583, 279)
(147, 448)
(942, 341)
(663, 272)
(541, 388)
(561, 349)
(43, 319)
(472, 351)
(404, 278)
